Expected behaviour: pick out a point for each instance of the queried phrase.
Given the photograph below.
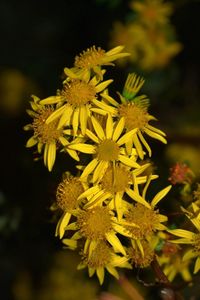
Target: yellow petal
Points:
(119, 129)
(138, 146)
(152, 128)
(89, 168)
(60, 230)
(92, 136)
(100, 274)
(31, 142)
(66, 116)
(126, 137)
(83, 119)
(98, 129)
(51, 156)
(115, 242)
(51, 100)
(160, 195)
(144, 142)
(155, 135)
(91, 191)
(112, 271)
(182, 233)
(71, 244)
(100, 87)
(109, 127)
(56, 114)
(84, 148)
(197, 265)
(128, 162)
(75, 120)
(135, 196)
(100, 171)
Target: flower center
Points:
(136, 116)
(45, 133)
(145, 218)
(115, 180)
(136, 256)
(68, 192)
(108, 150)
(78, 92)
(95, 223)
(197, 243)
(90, 58)
(100, 256)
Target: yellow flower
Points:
(190, 238)
(91, 60)
(75, 101)
(101, 258)
(136, 257)
(113, 185)
(152, 12)
(135, 114)
(92, 226)
(67, 194)
(47, 137)
(107, 149)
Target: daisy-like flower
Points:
(153, 12)
(190, 238)
(74, 101)
(113, 185)
(135, 113)
(136, 257)
(67, 194)
(144, 215)
(47, 137)
(91, 60)
(93, 226)
(101, 258)
(108, 148)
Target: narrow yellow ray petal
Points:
(160, 195)
(197, 265)
(89, 168)
(46, 148)
(182, 233)
(114, 50)
(112, 271)
(109, 99)
(152, 128)
(91, 191)
(128, 162)
(73, 154)
(119, 129)
(189, 255)
(75, 120)
(70, 73)
(92, 136)
(99, 111)
(56, 114)
(138, 146)
(144, 142)
(83, 119)
(31, 142)
(71, 244)
(155, 135)
(52, 100)
(84, 148)
(92, 246)
(100, 274)
(101, 86)
(115, 242)
(126, 137)
(135, 196)
(98, 129)
(51, 156)
(60, 230)
(100, 171)
(66, 116)
(91, 271)
(106, 107)
(109, 127)
(139, 244)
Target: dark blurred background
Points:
(38, 39)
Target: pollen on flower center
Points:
(100, 256)
(78, 92)
(90, 58)
(68, 192)
(108, 150)
(135, 115)
(95, 223)
(115, 180)
(45, 133)
(138, 259)
(147, 220)
(197, 243)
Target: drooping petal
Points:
(160, 195)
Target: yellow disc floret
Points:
(95, 223)
(78, 92)
(100, 256)
(45, 133)
(136, 116)
(139, 260)
(90, 58)
(146, 218)
(108, 150)
(115, 180)
(68, 192)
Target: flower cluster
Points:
(148, 35)
(105, 211)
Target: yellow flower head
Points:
(91, 60)
(46, 136)
(136, 257)
(75, 101)
(134, 110)
(101, 258)
(107, 149)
